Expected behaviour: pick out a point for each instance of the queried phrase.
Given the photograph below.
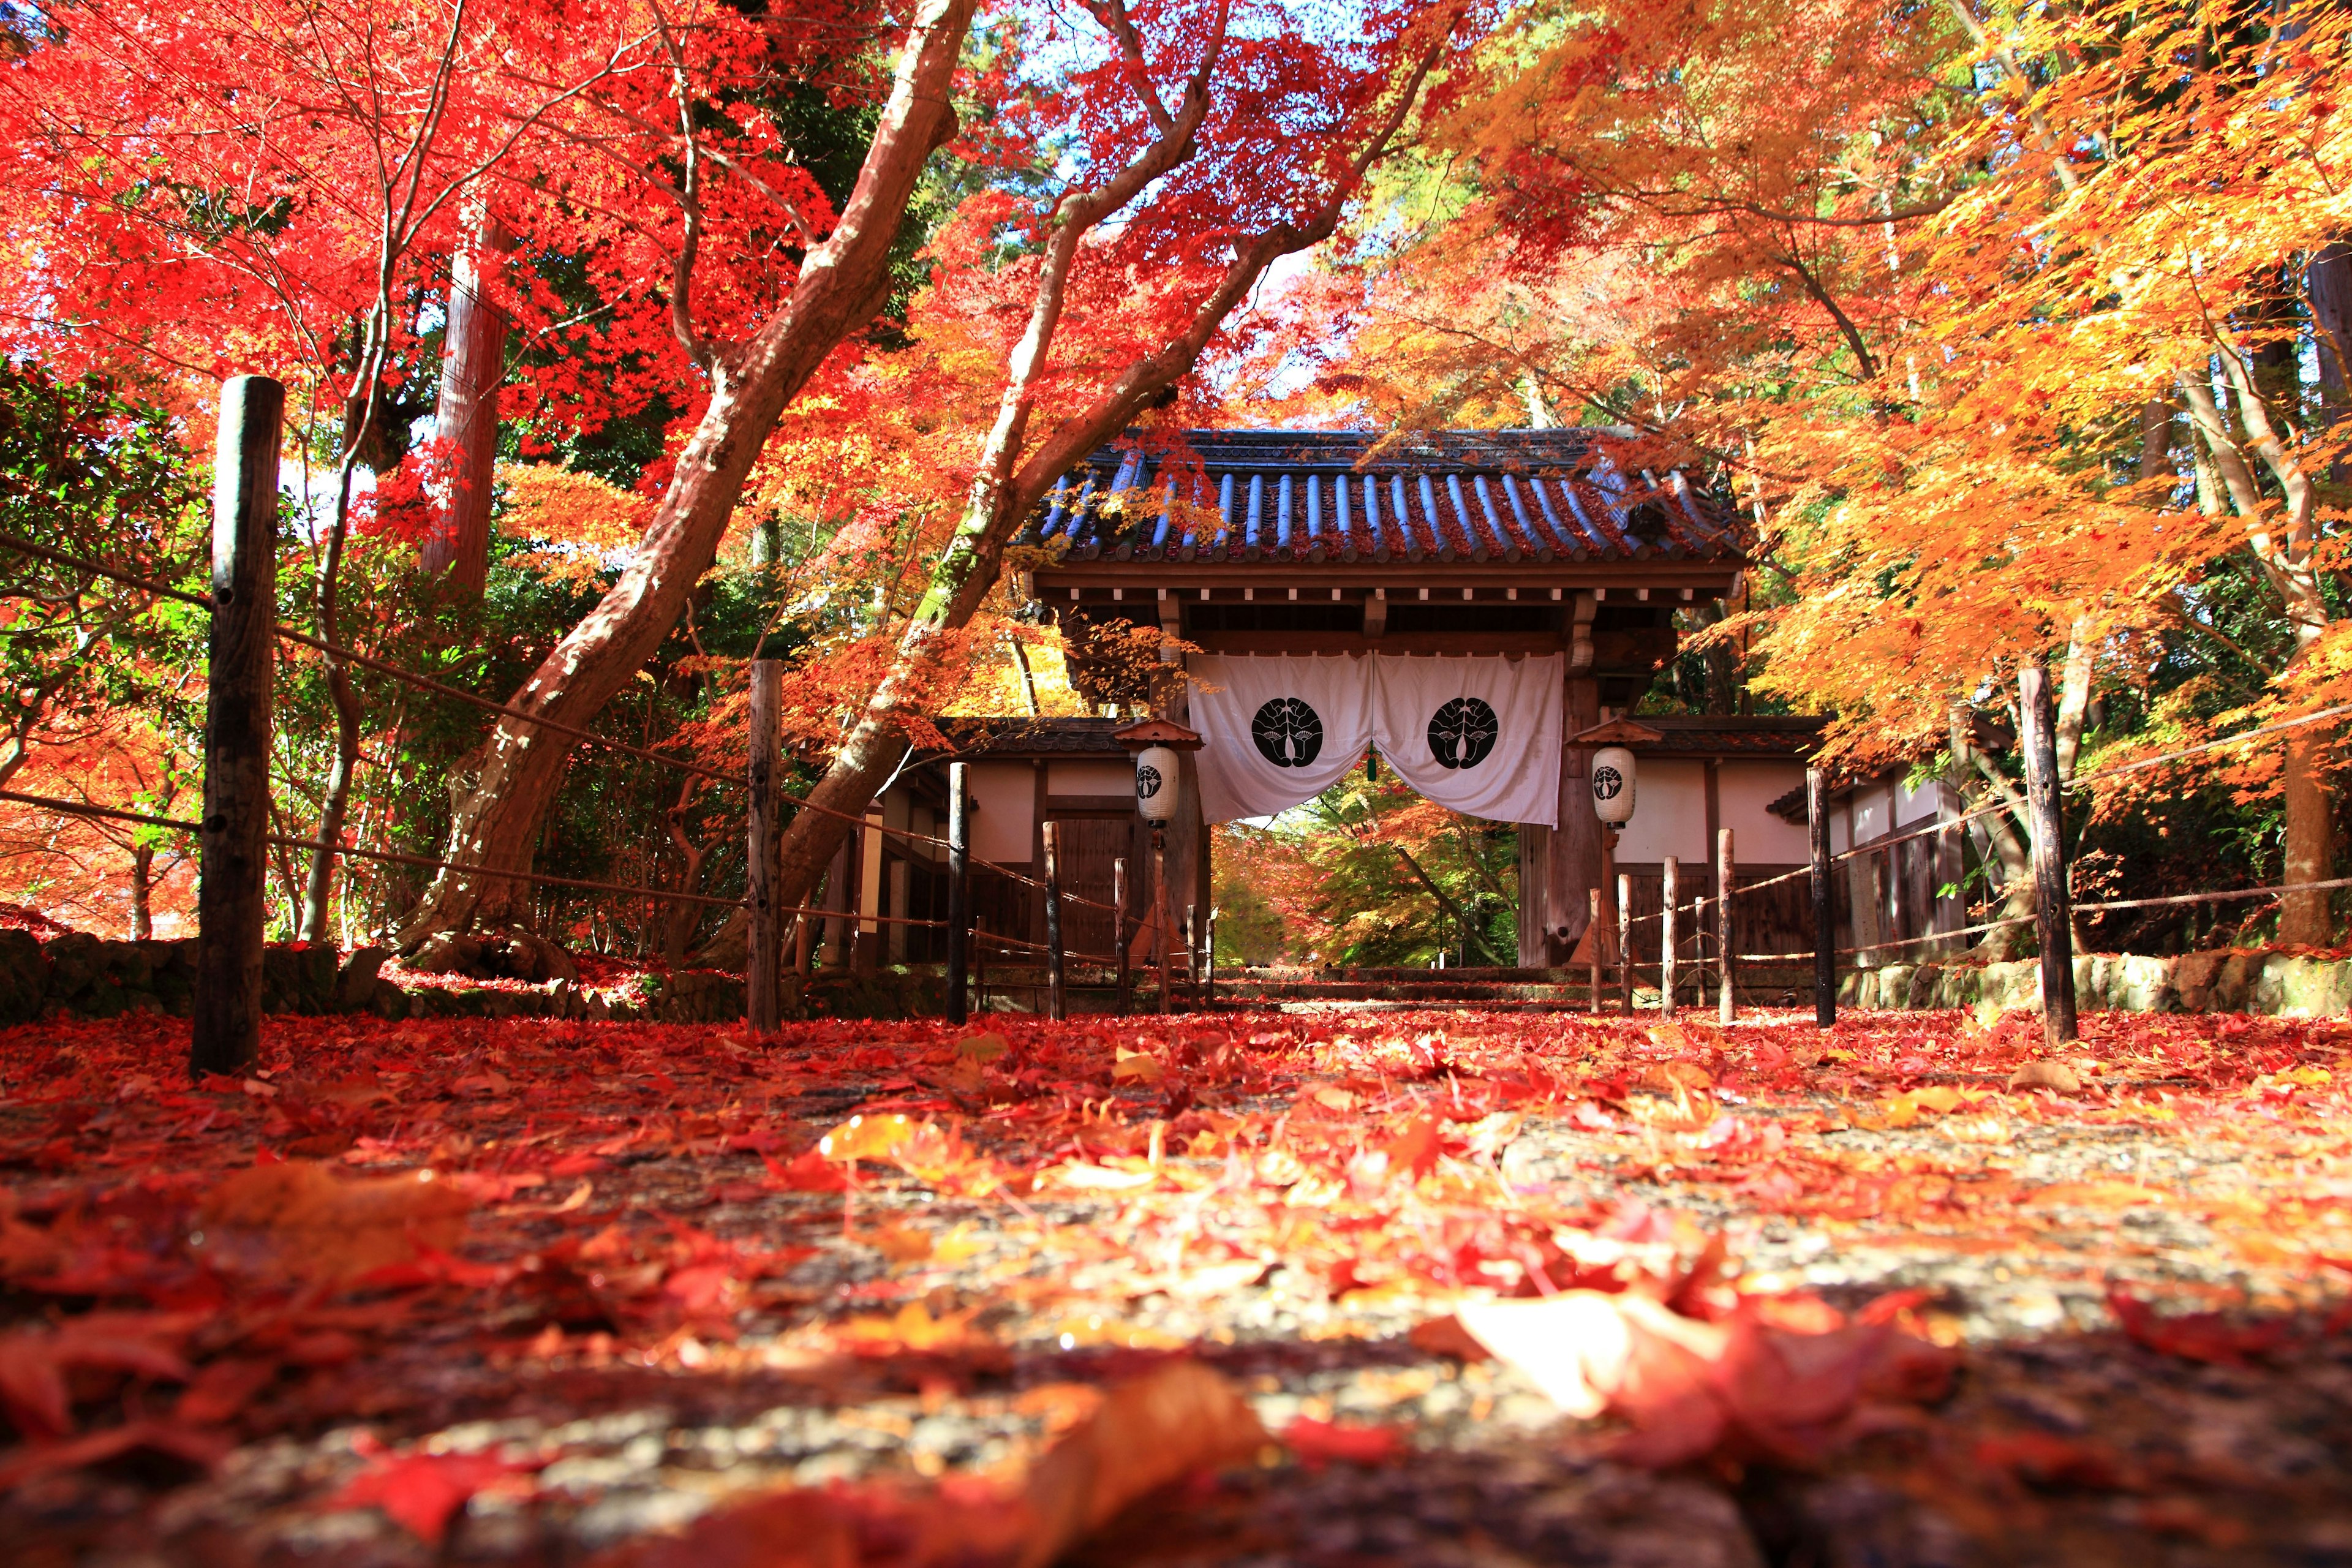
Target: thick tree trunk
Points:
(2329, 282)
(1980, 784)
(844, 282)
(466, 419)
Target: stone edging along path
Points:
(2277, 984)
(78, 975)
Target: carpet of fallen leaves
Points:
(1397, 1288)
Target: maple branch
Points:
(1156, 372)
(1721, 204)
(689, 201)
(2178, 609)
(980, 535)
(1844, 323)
(2060, 164)
(1469, 927)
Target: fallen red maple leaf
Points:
(2208, 1336)
(421, 1491)
(1316, 1442)
(1743, 1388)
(812, 1173)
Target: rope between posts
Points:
(395, 857)
(2295, 723)
(2104, 907)
(426, 683)
(76, 808)
(27, 546)
(853, 915)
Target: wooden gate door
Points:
(1089, 843)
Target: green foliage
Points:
(1339, 873)
(89, 472)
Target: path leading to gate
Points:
(1205, 1290)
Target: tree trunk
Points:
(844, 282)
(2329, 282)
(142, 883)
(1980, 784)
(320, 891)
(681, 917)
(466, 419)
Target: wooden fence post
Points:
(232, 886)
(2052, 928)
(1625, 943)
(958, 886)
(1119, 931)
(1209, 962)
(1593, 935)
(1667, 967)
(979, 967)
(1160, 912)
(1193, 952)
(1817, 832)
(763, 1001)
(1724, 868)
(1057, 996)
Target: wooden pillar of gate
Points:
(231, 887)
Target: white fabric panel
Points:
(1479, 735)
(1282, 730)
(1277, 730)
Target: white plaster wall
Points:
(1005, 797)
(1873, 812)
(1090, 777)
(1742, 791)
(1915, 806)
(1669, 813)
(1840, 839)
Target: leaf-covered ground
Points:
(1201, 1290)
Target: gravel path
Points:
(644, 1320)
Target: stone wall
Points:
(78, 975)
(2193, 982)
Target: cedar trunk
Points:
(473, 363)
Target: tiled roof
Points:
(1316, 496)
(1024, 737)
(1731, 735)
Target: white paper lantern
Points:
(1155, 784)
(1612, 785)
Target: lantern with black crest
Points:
(1612, 785)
